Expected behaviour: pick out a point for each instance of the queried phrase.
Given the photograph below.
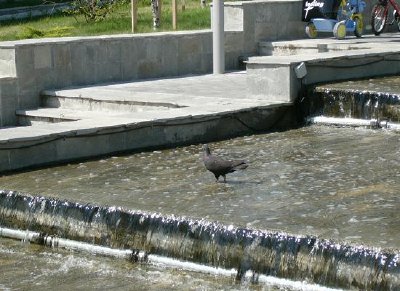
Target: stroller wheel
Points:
(339, 30)
(311, 30)
(359, 26)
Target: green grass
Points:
(193, 17)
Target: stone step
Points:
(52, 115)
(311, 47)
(56, 115)
(77, 99)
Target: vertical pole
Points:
(160, 3)
(174, 14)
(218, 37)
(134, 14)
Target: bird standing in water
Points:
(220, 167)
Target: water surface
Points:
(336, 183)
(26, 267)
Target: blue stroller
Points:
(337, 16)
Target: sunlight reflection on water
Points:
(338, 183)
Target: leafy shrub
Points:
(92, 10)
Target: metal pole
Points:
(218, 37)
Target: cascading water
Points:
(377, 99)
(209, 243)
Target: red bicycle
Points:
(379, 15)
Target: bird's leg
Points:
(224, 178)
(217, 178)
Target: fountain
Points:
(201, 241)
(307, 208)
(365, 99)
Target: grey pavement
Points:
(158, 99)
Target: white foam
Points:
(261, 279)
(354, 122)
(342, 121)
(154, 259)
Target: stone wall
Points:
(265, 20)
(43, 64)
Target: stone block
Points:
(42, 56)
(24, 61)
(189, 47)
(130, 54)
(142, 137)
(28, 97)
(233, 42)
(81, 72)
(169, 59)
(28, 156)
(274, 82)
(48, 78)
(7, 62)
(4, 160)
(86, 144)
(233, 17)
(61, 55)
(8, 101)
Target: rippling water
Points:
(28, 267)
(337, 183)
(385, 85)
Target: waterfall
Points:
(345, 100)
(296, 257)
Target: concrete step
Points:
(56, 115)
(51, 115)
(311, 46)
(76, 99)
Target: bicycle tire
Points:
(397, 19)
(378, 18)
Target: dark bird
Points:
(220, 167)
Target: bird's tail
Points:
(240, 165)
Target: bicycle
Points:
(379, 15)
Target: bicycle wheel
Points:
(378, 18)
(397, 19)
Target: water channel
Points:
(338, 183)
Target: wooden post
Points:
(134, 14)
(160, 8)
(174, 14)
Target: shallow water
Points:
(337, 183)
(384, 85)
(26, 267)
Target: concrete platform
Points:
(112, 118)
(90, 121)
(324, 60)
